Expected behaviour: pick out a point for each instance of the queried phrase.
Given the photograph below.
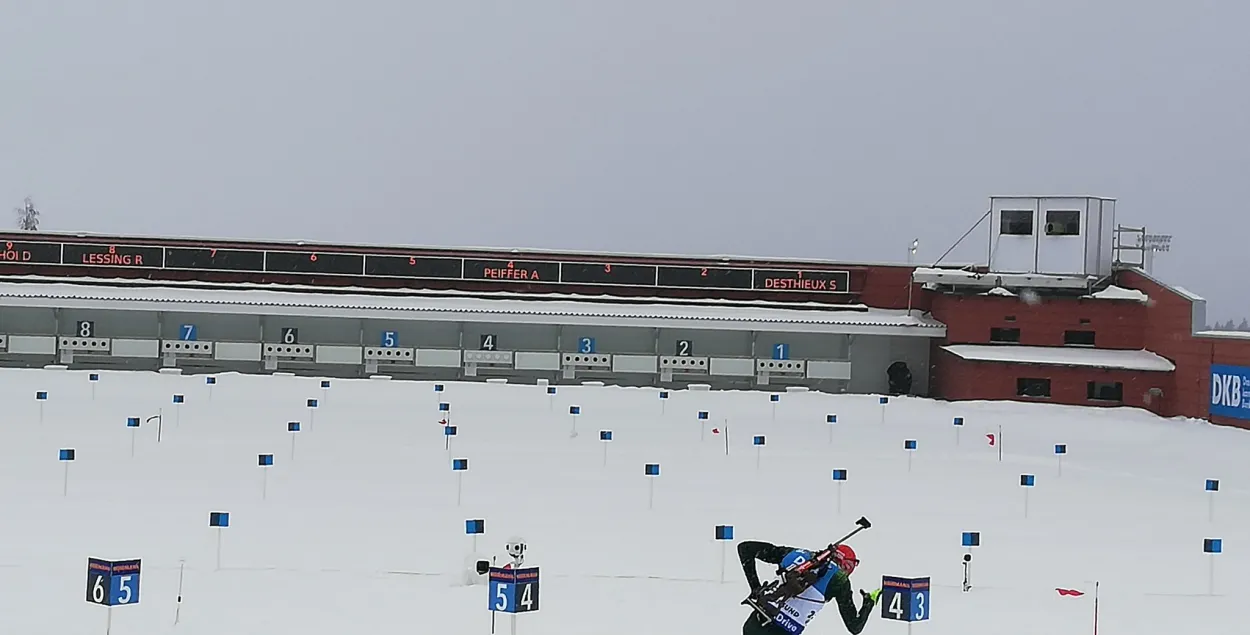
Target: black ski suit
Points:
(839, 590)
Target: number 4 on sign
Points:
(527, 597)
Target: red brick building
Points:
(1106, 334)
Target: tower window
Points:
(1063, 222)
(1016, 222)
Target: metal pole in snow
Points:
(1095, 607)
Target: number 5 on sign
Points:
(390, 339)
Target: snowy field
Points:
(361, 533)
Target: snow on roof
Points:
(1230, 335)
(450, 293)
(1187, 294)
(1000, 291)
(1120, 293)
(1063, 356)
(209, 300)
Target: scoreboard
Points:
(53, 253)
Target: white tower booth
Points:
(1052, 235)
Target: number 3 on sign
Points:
(586, 345)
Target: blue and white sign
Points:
(586, 345)
(390, 339)
(1230, 391)
(188, 333)
(781, 351)
(904, 599)
(112, 583)
(513, 590)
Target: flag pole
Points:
(1095, 608)
(1000, 443)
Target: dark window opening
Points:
(1078, 338)
(1105, 391)
(1084, 320)
(1029, 387)
(1016, 222)
(1063, 222)
(1004, 335)
(1009, 318)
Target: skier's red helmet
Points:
(844, 557)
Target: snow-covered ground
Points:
(360, 532)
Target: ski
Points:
(797, 577)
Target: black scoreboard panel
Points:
(812, 281)
(328, 263)
(348, 264)
(705, 278)
(512, 270)
(216, 259)
(100, 256)
(32, 253)
(414, 267)
(608, 273)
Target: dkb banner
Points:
(1230, 391)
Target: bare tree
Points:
(27, 216)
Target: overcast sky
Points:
(837, 129)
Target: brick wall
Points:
(961, 379)
(1169, 332)
(1116, 323)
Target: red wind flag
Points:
(715, 430)
(1070, 592)
(991, 439)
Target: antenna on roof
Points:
(27, 216)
